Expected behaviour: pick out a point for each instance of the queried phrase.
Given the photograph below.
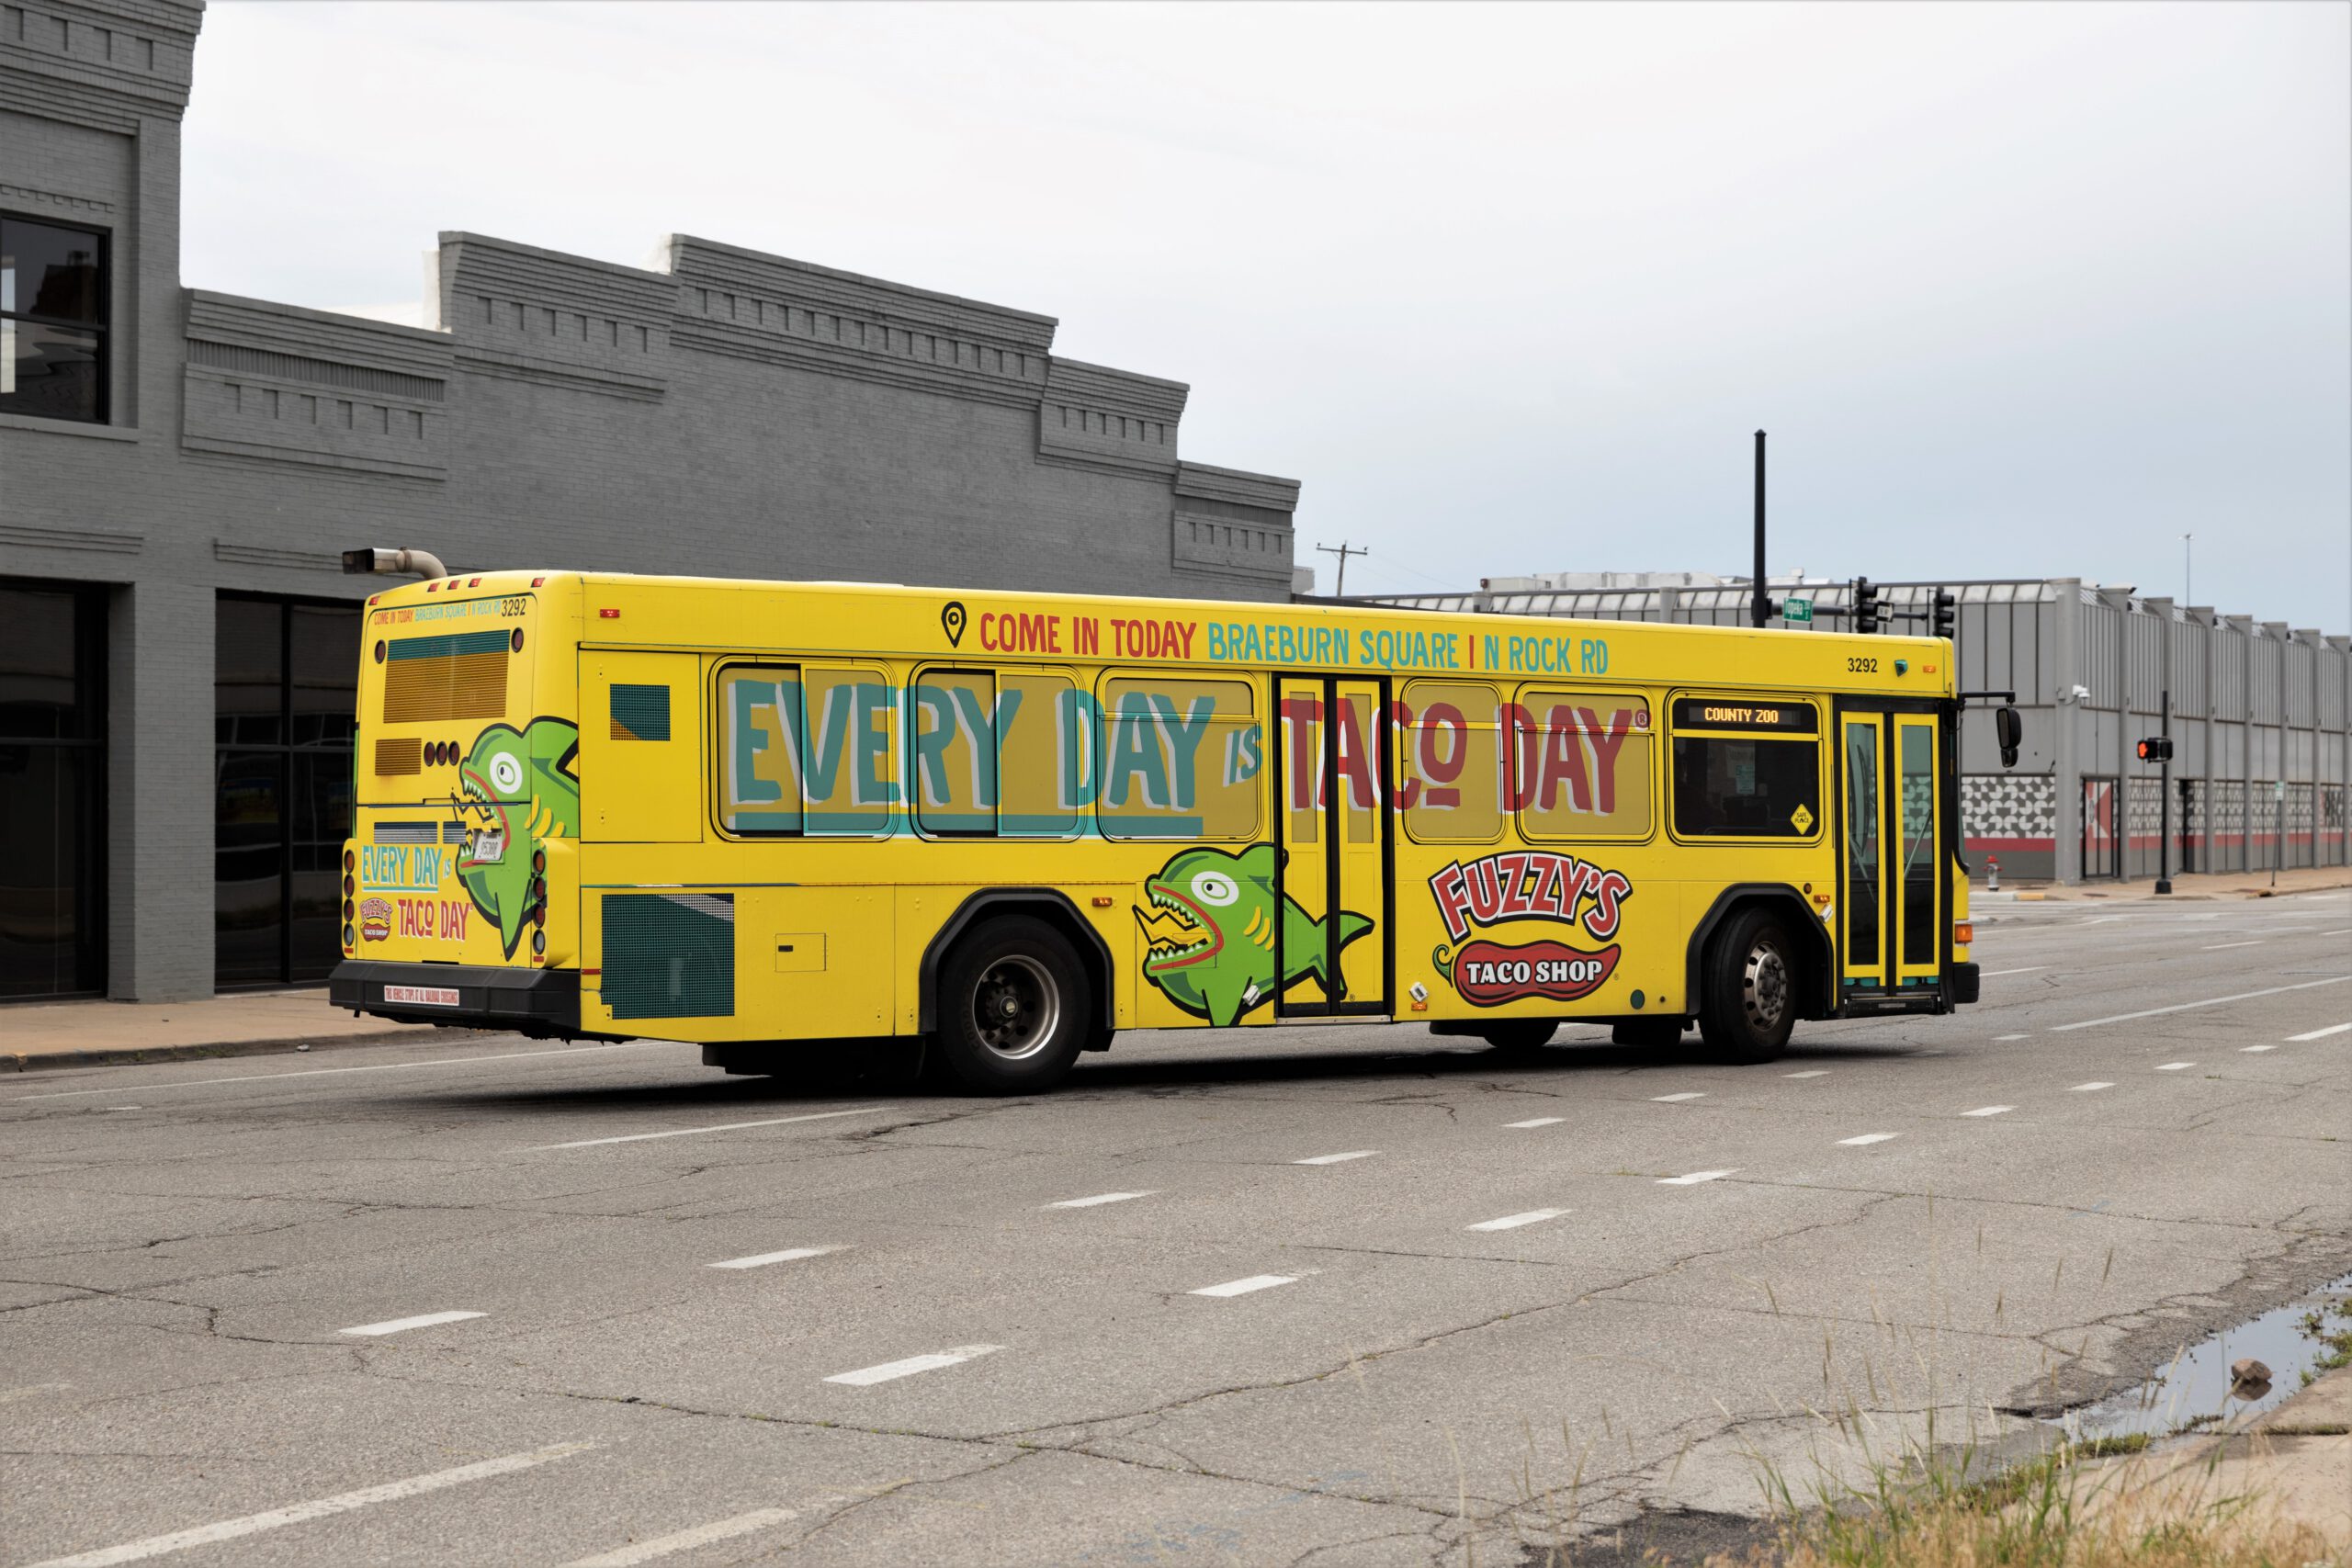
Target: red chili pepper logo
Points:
(1490, 974)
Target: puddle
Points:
(2194, 1387)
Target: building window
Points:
(52, 789)
(52, 321)
(285, 679)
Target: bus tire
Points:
(1014, 1008)
(1518, 1036)
(1753, 977)
(1651, 1033)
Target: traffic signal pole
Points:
(2164, 801)
(1760, 608)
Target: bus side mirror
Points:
(2008, 729)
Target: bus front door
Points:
(1892, 893)
(1331, 942)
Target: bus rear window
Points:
(445, 675)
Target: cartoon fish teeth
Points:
(518, 789)
(1210, 960)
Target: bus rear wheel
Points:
(1749, 1002)
(1014, 1009)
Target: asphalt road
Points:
(1316, 1295)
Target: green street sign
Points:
(1796, 611)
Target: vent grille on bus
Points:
(670, 954)
(404, 833)
(398, 754)
(641, 713)
(451, 675)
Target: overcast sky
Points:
(2018, 289)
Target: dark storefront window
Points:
(52, 790)
(285, 681)
(52, 321)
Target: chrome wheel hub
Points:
(1764, 987)
(1016, 1008)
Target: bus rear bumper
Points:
(533, 1002)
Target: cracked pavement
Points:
(185, 1244)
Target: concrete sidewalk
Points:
(100, 1033)
(2203, 886)
(2293, 1464)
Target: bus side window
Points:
(1448, 761)
(1045, 755)
(956, 714)
(1181, 759)
(1582, 765)
(850, 761)
(761, 722)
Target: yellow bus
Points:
(780, 817)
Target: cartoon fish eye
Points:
(1212, 888)
(505, 771)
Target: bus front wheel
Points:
(1014, 1009)
(1749, 1003)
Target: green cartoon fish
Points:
(516, 788)
(1211, 933)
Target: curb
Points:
(137, 1055)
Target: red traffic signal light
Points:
(2156, 749)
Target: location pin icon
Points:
(952, 620)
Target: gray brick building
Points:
(179, 469)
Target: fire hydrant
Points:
(1993, 871)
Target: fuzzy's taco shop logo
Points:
(1519, 885)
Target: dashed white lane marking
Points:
(2319, 1034)
(370, 1067)
(2092, 1087)
(2218, 946)
(761, 1259)
(1538, 1122)
(722, 1128)
(908, 1367)
(2028, 969)
(1809, 1073)
(1676, 1099)
(1100, 1198)
(1990, 1110)
(2002, 1039)
(2346, 931)
(2209, 1002)
(1513, 1222)
(2173, 1066)
(1696, 1176)
(2254, 1048)
(300, 1513)
(402, 1324)
(1869, 1138)
(126, 1108)
(663, 1545)
(1243, 1287)
(1338, 1159)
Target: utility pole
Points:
(2188, 568)
(1344, 550)
(1760, 610)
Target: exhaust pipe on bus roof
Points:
(424, 563)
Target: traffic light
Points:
(1865, 605)
(2156, 749)
(1945, 619)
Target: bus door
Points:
(1334, 852)
(1892, 878)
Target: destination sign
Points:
(1740, 713)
